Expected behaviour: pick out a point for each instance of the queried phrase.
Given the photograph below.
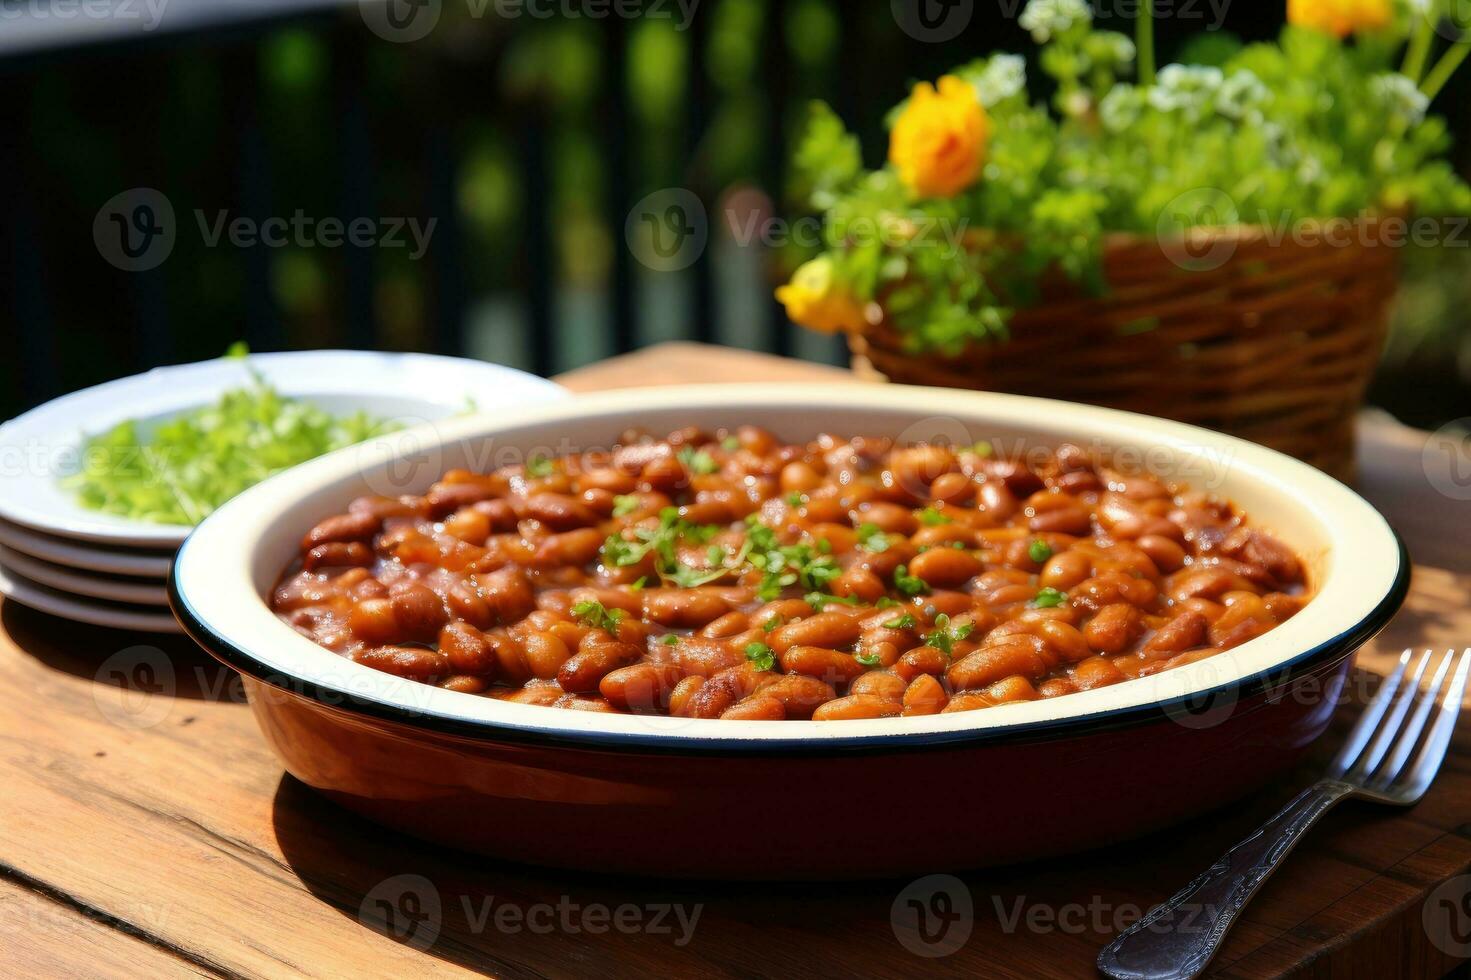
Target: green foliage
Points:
(187, 466)
(1303, 128)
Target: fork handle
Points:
(1177, 939)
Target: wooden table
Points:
(147, 830)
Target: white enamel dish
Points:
(44, 445)
(231, 562)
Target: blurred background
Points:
(531, 133)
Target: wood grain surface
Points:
(146, 830)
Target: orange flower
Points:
(816, 300)
(1340, 17)
(939, 141)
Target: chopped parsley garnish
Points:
(1039, 551)
(619, 551)
(730, 444)
(944, 636)
(886, 602)
(697, 461)
(909, 584)
(819, 599)
(598, 616)
(625, 504)
(983, 449)
(669, 639)
(869, 659)
(903, 622)
(785, 565)
(772, 622)
(686, 577)
(761, 655)
(794, 500)
(1049, 597)
(872, 538)
(716, 554)
(640, 583)
(930, 517)
(539, 466)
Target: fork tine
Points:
(1363, 729)
(1389, 729)
(1427, 763)
(1405, 742)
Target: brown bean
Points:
(832, 666)
(945, 568)
(414, 663)
(857, 706)
(798, 694)
(1166, 554)
(584, 671)
(728, 625)
(545, 653)
(679, 699)
(1116, 627)
(888, 517)
(924, 696)
(418, 611)
(446, 498)
(1017, 654)
(338, 554)
(642, 687)
(358, 526)
(559, 511)
(880, 683)
(684, 607)
(373, 622)
(827, 629)
(1181, 633)
(706, 657)
(722, 691)
(758, 707)
(467, 650)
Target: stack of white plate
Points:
(62, 558)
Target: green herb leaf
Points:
(1049, 597)
(625, 504)
(1039, 551)
(730, 444)
(819, 599)
(872, 538)
(761, 655)
(909, 584)
(903, 622)
(868, 659)
(598, 616)
(539, 466)
(931, 517)
(697, 461)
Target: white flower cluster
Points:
(1044, 19)
(1400, 97)
(1005, 76)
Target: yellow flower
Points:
(817, 301)
(1340, 17)
(939, 141)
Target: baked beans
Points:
(730, 575)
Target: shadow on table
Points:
(1047, 918)
(143, 662)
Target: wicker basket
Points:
(1269, 337)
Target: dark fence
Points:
(569, 165)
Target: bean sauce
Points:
(731, 575)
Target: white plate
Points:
(43, 445)
(88, 558)
(143, 592)
(94, 611)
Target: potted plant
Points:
(1212, 241)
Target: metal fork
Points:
(1177, 939)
